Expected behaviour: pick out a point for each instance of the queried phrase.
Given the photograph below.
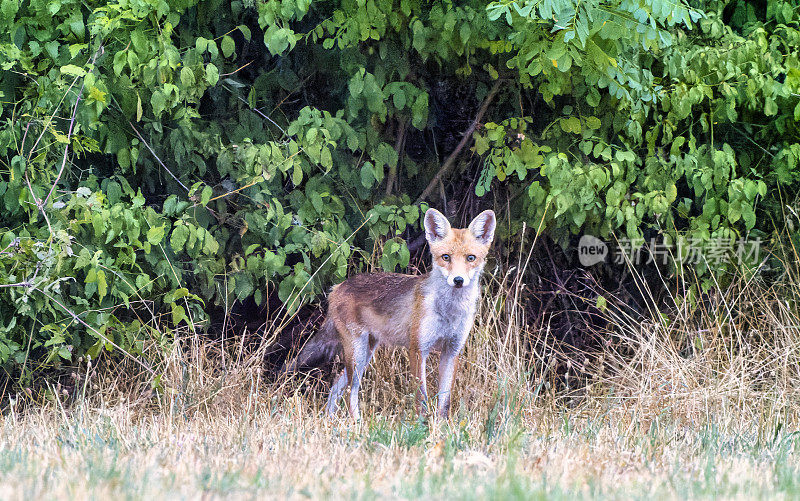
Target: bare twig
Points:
(450, 162)
(24, 136)
(240, 68)
(152, 152)
(49, 120)
(261, 113)
(27, 283)
(40, 204)
(399, 147)
(71, 127)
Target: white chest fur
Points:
(449, 315)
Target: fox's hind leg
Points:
(357, 356)
(336, 393)
(343, 379)
(363, 349)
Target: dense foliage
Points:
(158, 158)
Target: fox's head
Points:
(459, 254)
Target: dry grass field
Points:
(703, 405)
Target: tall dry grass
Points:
(694, 399)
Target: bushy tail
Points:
(321, 348)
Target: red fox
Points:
(431, 312)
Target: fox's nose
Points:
(458, 281)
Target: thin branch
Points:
(263, 115)
(40, 204)
(450, 162)
(399, 147)
(240, 68)
(49, 120)
(18, 284)
(156, 156)
(751, 140)
(24, 136)
(71, 127)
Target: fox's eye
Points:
(445, 257)
(471, 258)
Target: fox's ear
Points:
(436, 225)
(483, 226)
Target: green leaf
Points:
(65, 353)
(212, 74)
(228, 46)
(316, 201)
(593, 123)
(276, 39)
(52, 49)
(155, 234)
(72, 70)
(102, 285)
(124, 158)
(206, 195)
(94, 350)
(138, 107)
(76, 48)
(244, 286)
(734, 212)
(770, 107)
(179, 236)
(750, 189)
(325, 158)
(297, 174)
(571, 124)
(210, 244)
(76, 26)
(178, 313)
(9, 8)
(464, 32)
(385, 155)
(158, 101)
(187, 78)
(671, 192)
(367, 175)
(748, 216)
(399, 99)
(419, 111)
(481, 144)
(356, 85)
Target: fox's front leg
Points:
(448, 363)
(417, 358)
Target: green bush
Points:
(163, 157)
